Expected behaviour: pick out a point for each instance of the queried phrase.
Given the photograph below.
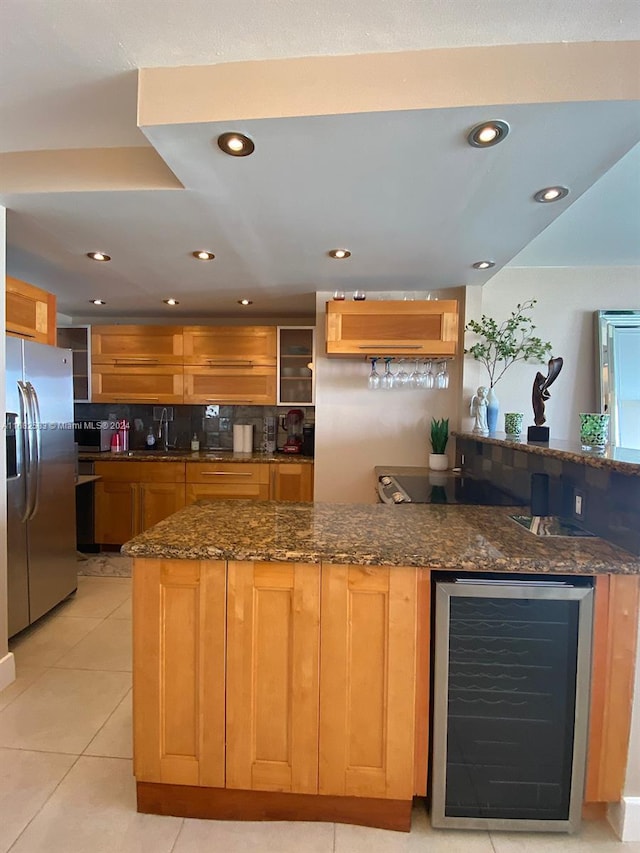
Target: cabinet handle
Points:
(238, 363)
(135, 360)
(133, 509)
(135, 398)
(234, 402)
(20, 334)
(141, 509)
(381, 345)
(226, 474)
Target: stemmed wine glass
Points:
(374, 376)
(401, 378)
(442, 377)
(428, 377)
(388, 379)
(415, 377)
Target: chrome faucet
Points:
(163, 430)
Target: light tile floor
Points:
(66, 783)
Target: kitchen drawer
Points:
(223, 491)
(141, 472)
(228, 472)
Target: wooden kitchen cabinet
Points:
(367, 681)
(230, 365)
(130, 497)
(291, 481)
(227, 480)
(140, 364)
(273, 657)
(230, 384)
(296, 365)
(396, 328)
(30, 312)
(179, 612)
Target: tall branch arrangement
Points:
(504, 344)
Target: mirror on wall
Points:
(618, 374)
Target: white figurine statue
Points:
(479, 411)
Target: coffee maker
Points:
(292, 424)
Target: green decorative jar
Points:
(594, 430)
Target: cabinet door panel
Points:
(220, 344)
(151, 384)
(227, 472)
(158, 501)
(240, 385)
(292, 481)
(131, 346)
(226, 491)
(367, 681)
(178, 664)
(272, 676)
(116, 511)
(30, 312)
(392, 328)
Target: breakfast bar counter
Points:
(282, 653)
(469, 538)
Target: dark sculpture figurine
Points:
(539, 396)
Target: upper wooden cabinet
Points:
(136, 346)
(31, 312)
(223, 346)
(426, 328)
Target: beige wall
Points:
(567, 298)
(357, 429)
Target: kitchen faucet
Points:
(163, 431)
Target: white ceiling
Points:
(401, 189)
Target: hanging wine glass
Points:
(401, 378)
(387, 380)
(428, 378)
(374, 376)
(415, 376)
(442, 377)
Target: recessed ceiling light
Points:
(171, 301)
(339, 253)
(98, 256)
(236, 144)
(245, 302)
(488, 133)
(203, 255)
(97, 302)
(551, 194)
(483, 265)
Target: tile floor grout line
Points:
(37, 678)
(178, 834)
(84, 751)
(44, 803)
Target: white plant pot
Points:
(438, 461)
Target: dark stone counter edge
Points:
(189, 456)
(583, 457)
(594, 566)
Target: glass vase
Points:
(493, 410)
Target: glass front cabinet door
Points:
(296, 352)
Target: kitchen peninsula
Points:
(281, 653)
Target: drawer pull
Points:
(226, 474)
(135, 360)
(389, 345)
(238, 363)
(217, 400)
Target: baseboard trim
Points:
(231, 804)
(624, 817)
(7, 670)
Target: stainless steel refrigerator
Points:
(41, 536)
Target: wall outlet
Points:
(578, 504)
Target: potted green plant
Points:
(502, 344)
(438, 459)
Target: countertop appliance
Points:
(41, 519)
(511, 697)
(399, 485)
(94, 435)
(292, 424)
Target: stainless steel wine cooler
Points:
(511, 697)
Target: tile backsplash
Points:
(610, 499)
(215, 432)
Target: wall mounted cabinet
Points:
(296, 353)
(395, 328)
(78, 340)
(30, 312)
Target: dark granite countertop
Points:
(623, 459)
(470, 538)
(190, 456)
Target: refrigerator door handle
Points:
(27, 448)
(37, 428)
